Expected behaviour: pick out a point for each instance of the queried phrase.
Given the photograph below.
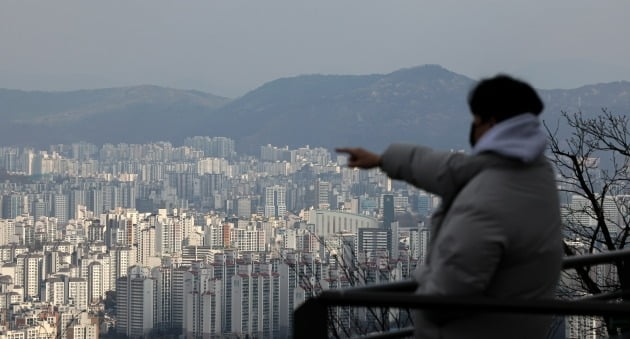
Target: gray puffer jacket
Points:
(497, 235)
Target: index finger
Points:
(343, 150)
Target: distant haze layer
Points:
(425, 104)
(231, 47)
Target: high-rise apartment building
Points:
(122, 258)
(163, 276)
(169, 232)
(82, 326)
(322, 194)
(29, 274)
(388, 210)
(424, 236)
(221, 147)
(135, 303)
(249, 239)
(38, 208)
(96, 231)
(255, 301)
(146, 245)
(95, 280)
(78, 293)
(61, 208)
(275, 201)
(13, 205)
(331, 222)
(266, 290)
(244, 207)
(54, 291)
(242, 304)
(107, 267)
(202, 303)
(288, 281)
(76, 199)
(95, 201)
(177, 297)
(7, 231)
(373, 240)
(224, 266)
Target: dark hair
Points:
(503, 97)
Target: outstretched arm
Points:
(441, 173)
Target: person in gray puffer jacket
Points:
(497, 232)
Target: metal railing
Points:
(311, 318)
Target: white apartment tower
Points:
(122, 258)
(61, 208)
(146, 245)
(288, 282)
(242, 304)
(7, 230)
(249, 239)
(32, 275)
(202, 303)
(95, 282)
(265, 302)
(109, 284)
(77, 293)
(275, 201)
(168, 235)
(323, 195)
(83, 327)
(213, 236)
(54, 291)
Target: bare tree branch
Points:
(592, 166)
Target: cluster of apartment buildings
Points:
(193, 241)
(199, 241)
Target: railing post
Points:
(310, 320)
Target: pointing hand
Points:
(358, 157)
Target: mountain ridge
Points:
(423, 104)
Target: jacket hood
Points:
(519, 137)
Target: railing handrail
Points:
(594, 259)
(317, 308)
(398, 286)
(393, 295)
(482, 304)
(567, 263)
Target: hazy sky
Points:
(230, 47)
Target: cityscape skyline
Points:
(168, 169)
(203, 240)
(92, 221)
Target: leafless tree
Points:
(353, 272)
(593, 167)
